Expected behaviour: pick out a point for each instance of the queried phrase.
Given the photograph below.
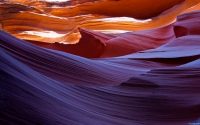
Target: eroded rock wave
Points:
(144, 76)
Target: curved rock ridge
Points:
(187, 24)
(85, 63)
(37, 21)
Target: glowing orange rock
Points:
(36, 22)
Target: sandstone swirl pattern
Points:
(100, 62)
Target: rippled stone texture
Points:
(84, 62)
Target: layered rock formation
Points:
(100, 62)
